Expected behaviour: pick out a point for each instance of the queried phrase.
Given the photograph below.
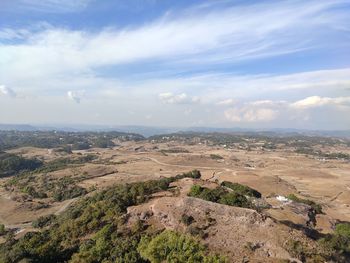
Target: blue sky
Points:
(218, 63)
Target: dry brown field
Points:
(278, 172)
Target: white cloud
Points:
(268, 103)
(249, 114)
(317, 101)
(75, 95)
(262, 114)
(269, 110)
(170, 98)
(233, 115)
(224, 35)
(7, 91)
(225, 102)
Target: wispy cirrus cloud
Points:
(53, 6)
(220, 36)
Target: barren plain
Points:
(275, 173)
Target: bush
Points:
(216, 157)
(30, 190)
(2, 230)
(195, 190)
(242, 189)
(336, 247)
(296, 249)
(170, 246)
(220, 195)
(43, 221)
(235, 199)
(65, 192)
(343, 229)
(187, 220)
(195, 174)
(93, 230)
(11, 164)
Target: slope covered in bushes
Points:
(94, 230)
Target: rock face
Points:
(242, 234)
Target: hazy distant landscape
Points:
(237, 194)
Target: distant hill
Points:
(148, 131)
(17, 127)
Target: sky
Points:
(184, 63)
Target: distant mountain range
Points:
(149, 131)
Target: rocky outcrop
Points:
(237, 232)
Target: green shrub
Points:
(93, 230)
(235, 199)
(187, 220)
(195, 174)
(2, 230)
(65, 192)
(170, 246)
(11, 164)
(336, 247)
(220, 195)
(30, 190)
(195, 190)
(343, 229)
(296, 249)
(242, 189)
(43, 221)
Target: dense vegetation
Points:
(11, 164)
(332, 248)
(242, 189)
(94, 230)
(38, 185)
(338, 244)
(247, 140)
(220, 195)
(55, 139)
(62, 163)
(174, 247)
